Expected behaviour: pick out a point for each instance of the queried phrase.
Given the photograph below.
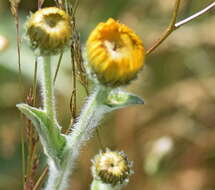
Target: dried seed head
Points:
(49, 30)
(115, 53)
(112, 167)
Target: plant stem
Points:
(168, 31)
(203, 11)
(15, 7)
(57, 173)
(34, 93)
(173, 25)
(98, 185)
(58, 177)
(90, 116)
(58, 66)
(23, 156)
(49, 106)
(56, 140)
(74, 95)
(41, 179)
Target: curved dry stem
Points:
(40, 180)
(203, 11)
(168, 31)
(58, 67)
(173, 25)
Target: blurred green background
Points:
(171, 139)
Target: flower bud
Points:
(49, 30)
(111, 167)
(115, 53)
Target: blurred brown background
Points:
(170, 139)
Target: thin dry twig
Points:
(40, 3)
(203, 11)
(58, 66)
(173, 25)
(168, 31)
(41, 179)
(32, 140)
(14, 6)
(15, 12)
(73, 100)
(35, 82)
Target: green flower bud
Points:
(112, 167)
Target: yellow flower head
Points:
(115, 53)
(49, 30)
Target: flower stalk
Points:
(91, 114)
(99, 185)
(47, 86)
(48, 101)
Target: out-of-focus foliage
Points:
(177, 83)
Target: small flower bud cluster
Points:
(111, 167)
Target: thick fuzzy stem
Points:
(58, 172)
(48, 99)
(56, 140)
(98, 185)
(58, 177)
(47, 84)
(91, 114)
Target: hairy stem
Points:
(58, 177)
(91, 114)
(98, 185)
(49, 106)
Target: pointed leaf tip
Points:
(119, 99)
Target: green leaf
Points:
(50, 136)
(119, 99)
